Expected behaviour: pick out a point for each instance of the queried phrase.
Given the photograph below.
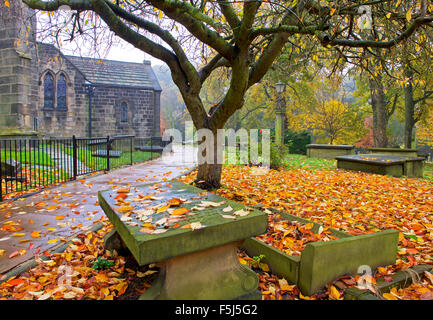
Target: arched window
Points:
(61, 92)
(123, 112)
(48, 91)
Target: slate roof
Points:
(116, 73)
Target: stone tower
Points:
(18, 69)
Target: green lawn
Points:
(97, 163)
(295, 161)
(428, 171)
(30, 157)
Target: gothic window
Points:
(123, 112)
(61, 92)
(49, 91)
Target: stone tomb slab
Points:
(195, 263)
(396, 166)
(328, 151)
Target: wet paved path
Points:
(63, 211)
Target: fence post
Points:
(108, 153)
(151, 148)
(132, 142)
(1, 173)
(74, 156)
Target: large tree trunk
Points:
(380, 116)
(209, 172)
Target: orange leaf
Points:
(121, 196)
(180, 211)
(35, 234)
(14, 282)
(174, 202)
(123, 190)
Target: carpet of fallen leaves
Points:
(421, 290)
(357, 203)
(69, 275)
(353, 202)
(291, 237)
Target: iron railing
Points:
(28, 164)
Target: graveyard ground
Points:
(357, 203)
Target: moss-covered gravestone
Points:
(391, 165)
(192, 235)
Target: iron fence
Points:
(35, 163)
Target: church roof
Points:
(116, 73)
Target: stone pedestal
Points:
(212, 274)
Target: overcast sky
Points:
(131, 54)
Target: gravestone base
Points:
(113, 241)
(212, 274)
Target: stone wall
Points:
(18, 69)
(106, 112)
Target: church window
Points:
(49, 91)
(123, 112)
(61, 92)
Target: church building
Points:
(44, 92)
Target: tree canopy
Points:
(195, 38)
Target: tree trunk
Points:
(209, 172)
(380, 116)
(409, 112)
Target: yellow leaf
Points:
(7, 4)
(162, 209)
(308, 226)
(333, 293)
(125, 209)
(148, 225)
(160, 14)
(389, 296)
(304, 297)
(409, 14)
(2, 252)
(19, 234)
(53, 240)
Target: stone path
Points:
(65, 161)
(72, 208)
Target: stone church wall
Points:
(56, 121)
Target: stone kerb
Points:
(322, 262)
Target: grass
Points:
(97, 163)
(296, 161)
(30, 157)
(428, 171)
